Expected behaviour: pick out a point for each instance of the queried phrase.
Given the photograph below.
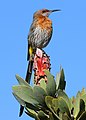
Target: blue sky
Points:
(67, 47)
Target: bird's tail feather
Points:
(21, 110)
(28, 54)
(28, 77)
(29, 71)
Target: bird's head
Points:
(44, 12)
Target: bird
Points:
(39, 36)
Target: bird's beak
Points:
(55, 10)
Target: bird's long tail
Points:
(28, 76)
(29, 71)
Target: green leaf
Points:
(32, 113)
(60, 80)
(51, 85)
(25, 93)
(39, 94)
(82, 105)
(83, 116)
(65, 117)
(43, 84)
(42, 115)
(32, 107)
(82, 108)
(51, 116)
(62, 94)
(48, 101)
(60, 103)
(83, 96)
(72, 101)
(19, 100)
(83, 92)
(77, 105)
(21, 81)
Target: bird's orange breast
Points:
(44, 22)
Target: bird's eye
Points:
(43, 11)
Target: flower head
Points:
(41, 63)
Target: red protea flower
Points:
(41, 63)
